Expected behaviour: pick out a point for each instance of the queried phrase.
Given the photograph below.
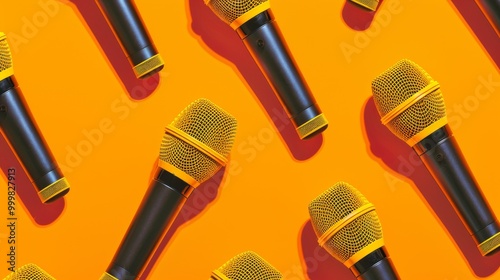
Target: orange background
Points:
(73, 90)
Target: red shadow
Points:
(196, 204)
(316, 261)
(357, 17)
(42, 214)
(480, 27)
(96, 23)
(221, 40)
(396, 156)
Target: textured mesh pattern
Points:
(5, 56)
(249, 266)
(29, 272)
(230, 10)
(396, 85)
(210, 125)
(334, 205)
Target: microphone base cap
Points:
(369, 4)
(489, 240)
(310, 122)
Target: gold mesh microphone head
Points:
(237, 12)
(409, 101)
(246, 266)
(369, 4)
(29, 272)
(346, 223)
(6, 69)
(197, 143)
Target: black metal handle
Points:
(24, 136)
(491, 8)
(164, 199)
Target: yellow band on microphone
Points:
(250, 14)
(346, 220)
(178, 173)
(170, 129)
(427, 131)
(107, 276)
(431, 87)
(216, 275)
(379, 243)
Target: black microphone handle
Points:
(443, 158)
(375, 266)
(21, 130)
(491, 8)
(162, 202)
(265, 42)
(130, 29)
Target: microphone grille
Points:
(204, 122)
(395, 86)
(335, 205)
(230, 10)
(29, 272)
(247, 266)
(6, 68)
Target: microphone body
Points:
(23, 134)
(265, 42)
(164, 199)
(491, 9)
(20, 128)
(129, 28)
(254, 22)
(443, 158)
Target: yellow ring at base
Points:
(216, 275)
(54, 189)
(107, 276)
(369, 4)
(344, 221)
(250, 14)
(148, 65)
(312, 126)
(427, 131)
(490, 244)
(178, 173)
(379, 243)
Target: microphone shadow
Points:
(97, 26)
(397, 157)
(42, 214)
(316, 261)
(221, 41)
(481, 27)
(197, 203)
(357, 17)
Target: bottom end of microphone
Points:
(107, 276)
(369, 4)
(312, 127)
(54, 191)
(491, 245)
(149, 66)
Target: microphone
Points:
(29, 272)
(246, 266)
(129, 28)
(23, 135)
(411, 105)
(491, 9)
(254, 22)
(195, 146)
(348, 228)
